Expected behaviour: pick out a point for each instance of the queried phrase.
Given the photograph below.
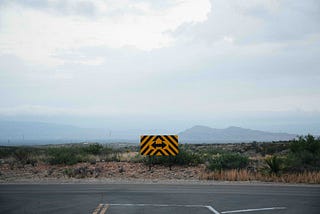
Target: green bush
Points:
(108, 151)
(272, 148)
(93, 149)
(304, 154)
(228, 161)
(110, 154)
(274, 164)
(63, 155)
(6, 151)
(184, 157)
(26, 155)
(22, 155)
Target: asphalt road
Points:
(159, 198)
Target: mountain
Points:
(28, 132)
(24, 131)
(230, 134)
(19, 132)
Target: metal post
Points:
(170, 162)
(150, 162)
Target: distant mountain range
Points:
(230, 134)
(17, 132)
(29, 132)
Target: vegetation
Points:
(245, 175)
(63, 155)
(93, 149)
(60, 154)
(184, 157)
(274, 164)
(228, 161)
(292, 161)
(304, 154)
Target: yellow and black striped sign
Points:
(159, 145)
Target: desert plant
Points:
(68, 172)
(26, 155)
(184, 157)
(6, 151)
(93, 149)
(228, 161)
(304, 154)
(274, 164)
(22, 155)
(63, 155)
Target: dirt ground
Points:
(111, 170)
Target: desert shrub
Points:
(304, 154)
(93, 149)
(184, 157)
(22, 155)
(26, 155)
(228, 161)
(137, 159)
(274, 164)
(68, 172)
(269, 148)
(215, 151)
(63, 155)
(114, 157)
(109, 151)
(111, 154)
(6, 151)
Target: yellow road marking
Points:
(96, 211)
(104, 210)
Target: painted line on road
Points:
(169, 205)
(253, 210)
(104, 207)
(212, 209)
(158, 205)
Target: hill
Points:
(25, 131)
(230, 134)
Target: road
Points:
(159, 198)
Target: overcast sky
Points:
(162, 64)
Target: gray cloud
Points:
(63, 7)
(89, 8)
(243, 61)
(294, 20)
(290, 20)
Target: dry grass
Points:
(245, 175)
(128, 156)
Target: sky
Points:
(170, 64)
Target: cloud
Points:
(256, 21)
(39, 36)
(178, 59)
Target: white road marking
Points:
(212, 209)
(169, 205)
(158, 205)
(201, 206)
(252, 210)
